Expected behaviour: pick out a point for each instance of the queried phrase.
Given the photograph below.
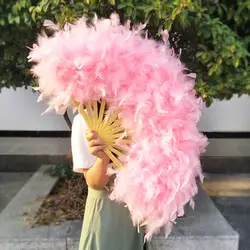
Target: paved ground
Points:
(10, 184)
(231, 195)
(236, 210)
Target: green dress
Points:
(107, 225)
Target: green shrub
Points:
(64, 171)
(214, 36)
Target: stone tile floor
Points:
(231, 195)
(10, 184)
(237, 212)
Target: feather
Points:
(148, 83)
(40, 98)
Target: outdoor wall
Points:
(20, 111)
(227, 116)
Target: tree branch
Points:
(68, 121)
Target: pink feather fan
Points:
(147, 81)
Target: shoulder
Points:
(78, 122)
(78, 119)
(80, 155)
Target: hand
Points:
(96, 145)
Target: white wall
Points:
(19, 111)
(227, 116)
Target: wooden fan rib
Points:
(84, 115)
(75, 102)
(119, 135)
(123, 149)
(106, 125)
(124, 141)
(121, 142)
(101, 115)
(113, 158)
(117, 130)
(116, 124)
(113, 117)
(115, 151)
(95, 125)
(113, 131)
(90, 114)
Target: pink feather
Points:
(147, 81)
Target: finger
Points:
(91, 135)
(90, 131)
(96, 142)
(96, 149)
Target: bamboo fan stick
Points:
(106, 125)
(113, 158)
(118, 130)
(117, 136)
(101, 114)
(115, 151)
(90, 114)
(84, 115)
(113, 117)
(122, 149)
(124, 141)
(101, 119)
(109, 130)
(117, 123)
(114, 131)
(95, 115)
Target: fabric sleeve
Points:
(81, 157)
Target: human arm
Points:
(96, 176)
(88, 157)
